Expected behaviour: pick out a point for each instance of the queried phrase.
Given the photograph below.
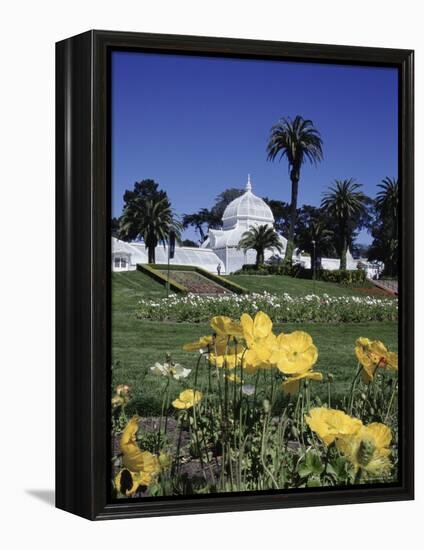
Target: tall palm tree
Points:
(387, 200)
(152, 220)
(345, 202)
(299, 141)
(387, 205)
(260, 238)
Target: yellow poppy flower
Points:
(294, 353)
(230, 357)
(291, 385)
(127, 482)
(213, 344)
(330, 424)
(373, 354)
(368, 449)
(187, 399)
(259, 339)
(133, 457)
(202, 342)
(224, 326)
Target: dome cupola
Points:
(247, 210)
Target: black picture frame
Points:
(83, 273)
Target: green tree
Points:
(221, 203)
(260, 238)
(299, 141)
(114, 227)
(198, 221)
(148, 215)
(281, 212)
(313, 234)
(206, 219)
(346, 204)
(385, 245)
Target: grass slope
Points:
(277, 284)
(137, 345)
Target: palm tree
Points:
(387, 200)
(386, 246)
(317, 240)
(345, 202)
(152, 220)
(260, 238)
(297, 140)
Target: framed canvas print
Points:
(234, 274)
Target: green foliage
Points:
(343, 276)
(260, 238)
(298, 141)
(339, 276)
(206, 218)
(147, 214)
(231, 441)
(346, 203)
(385, 245)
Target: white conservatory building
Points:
(220, 246)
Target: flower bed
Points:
(281, 308)
(195, 282)
(223, 432)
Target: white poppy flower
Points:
(160, 370)
(248, 389)
(178, 372)
(175, 371)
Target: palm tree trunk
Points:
(151, 254)
(260, 258)
(288, 258)
(343, 254)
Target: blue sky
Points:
(198, 125)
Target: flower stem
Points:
(352, 389)
(390, 403)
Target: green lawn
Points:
(277, 284)
(137, 344)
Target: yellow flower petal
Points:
(368, 448)
(246, 322)
(223, 325)
(392, 360)
(294, 353)
(202, 342)
(187, 399)
(133, 457)
(381, 434)
(125, 483)
(262, 325)
(291, 385)
(373, 355)
(331, 424)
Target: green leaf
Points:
(304, 470)
(314, 482)
(313, 461)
